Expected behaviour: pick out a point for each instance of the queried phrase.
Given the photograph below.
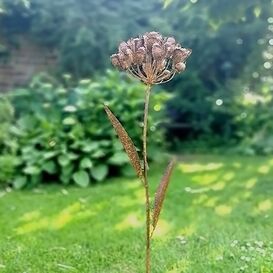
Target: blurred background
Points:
(55, 74)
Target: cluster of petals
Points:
(151, 58)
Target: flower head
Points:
(151, 58)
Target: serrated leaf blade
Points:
(161, 192)
(126, 141)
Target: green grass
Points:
(217, 218)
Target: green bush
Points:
(62, 132)
(8, 159)
(7, 168)
(6, 117)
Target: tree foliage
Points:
(227, 38)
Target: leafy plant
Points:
(6, 117)
(61, 135)
(7, 168)
(153, 60)
(8, 160)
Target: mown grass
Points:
(217, 218)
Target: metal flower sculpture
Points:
(153, 59)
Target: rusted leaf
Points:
(126, 141)
(161, 192)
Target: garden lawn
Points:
(217, 217)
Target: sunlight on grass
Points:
(140, 196)
(194, 167)
(66, 215)
(223, 210)
(234, 200)
(264, 169)
(205, 179)
(206, 201)
(33, 226)
(246, 194)
(270, 162)
(218, 186)
(200, 199)
(133, 184)
(264, 205)
(132, 220)
(163, 227)
(211, 202)
(250, 183)
(228, 176)
(35, 221)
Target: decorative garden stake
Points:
(152, 59)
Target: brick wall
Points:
(24, 62)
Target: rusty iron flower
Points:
(151, 58)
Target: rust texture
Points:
(151, 58)
(126, 141)
(161, 192)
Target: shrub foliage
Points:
(62, 133)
